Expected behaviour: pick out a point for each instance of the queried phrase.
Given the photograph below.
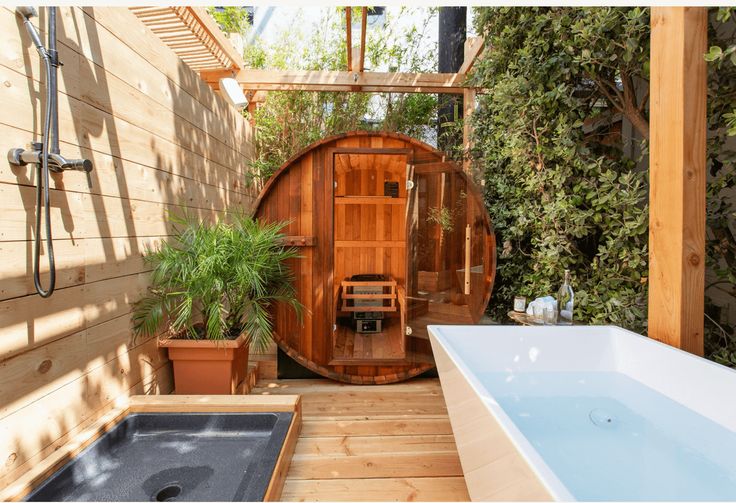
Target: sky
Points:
(270, 22)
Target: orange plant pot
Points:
(203, 367)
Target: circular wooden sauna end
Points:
(392, 238)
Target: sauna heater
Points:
(368, 322)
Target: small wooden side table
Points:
(525, 319)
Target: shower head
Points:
(26, 12)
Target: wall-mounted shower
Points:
(46, 154)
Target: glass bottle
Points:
(565, 301)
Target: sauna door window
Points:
(370, 260)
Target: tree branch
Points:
(630, 108)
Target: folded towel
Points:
(547, 301)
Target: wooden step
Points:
(250, 380)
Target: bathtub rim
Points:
(534, 460)
(613, 334)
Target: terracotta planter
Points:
(203, 367)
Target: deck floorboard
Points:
(371, 443)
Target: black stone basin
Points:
(174, 457)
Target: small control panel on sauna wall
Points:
(391, 189)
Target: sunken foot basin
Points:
(586, 413)
(177, 448)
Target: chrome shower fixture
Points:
(45, 155)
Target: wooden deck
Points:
(353, 348)
(371, 443)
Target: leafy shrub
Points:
(565, 194)
(560, 198)
(290, 121)
(213, 281)
(720, 292)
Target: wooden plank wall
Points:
(159, 138)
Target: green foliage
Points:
(290, 121)
(442, 217)
(720, 336)
(230, 19)
(214, 281)
(561, 198)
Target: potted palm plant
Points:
(211, 290)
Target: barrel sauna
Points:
(392, 238)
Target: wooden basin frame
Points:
(170, 404)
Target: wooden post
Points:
(468, 109)
(472, 49)
(363, 26)
(349, 35)
(677, 176)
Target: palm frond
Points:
(229, 273)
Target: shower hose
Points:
(42, 192)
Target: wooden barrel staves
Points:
(392, 238)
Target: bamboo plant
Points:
(214, 281)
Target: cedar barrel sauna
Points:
(392, 238)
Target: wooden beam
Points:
(473, 48)
(200, 13)
(363, 25)
(349, 24)
(302, 80)
(214, 403)
(468, 109)
(677, 176)
(193, 35)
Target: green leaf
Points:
(713, 53)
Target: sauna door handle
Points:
(466, 288)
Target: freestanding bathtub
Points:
(586, 413)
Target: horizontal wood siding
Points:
(160, 139)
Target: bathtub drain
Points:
(168, 493)
(602, 418)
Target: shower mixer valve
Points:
(57, 162)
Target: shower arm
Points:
(57, 162)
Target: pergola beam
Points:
(193, 35)
(473, 48)
(349, 24)
(677, 176)
(363, 26)
(303, 80)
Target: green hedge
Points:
(563, 189)
(560, 198)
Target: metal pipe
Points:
(42, 171)
(46, 156)
(27, 13)
(54, 80)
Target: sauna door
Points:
(448, 241)
(369, 207)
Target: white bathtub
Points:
(586, 413)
